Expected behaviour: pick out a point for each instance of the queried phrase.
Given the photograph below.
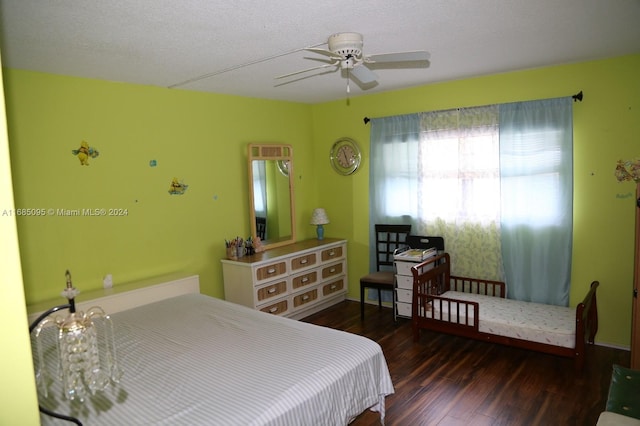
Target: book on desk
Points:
(415, 255)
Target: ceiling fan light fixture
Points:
(346, 44)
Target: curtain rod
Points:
(577, 97)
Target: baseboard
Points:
(370, 302)
(610, 345)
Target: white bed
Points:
(533, 322)
(197, 360)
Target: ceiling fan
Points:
(345, 52)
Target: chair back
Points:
(425, 242)
(261, 227)
(388, 239)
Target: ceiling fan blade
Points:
(332, 61)
(301, 77)
(417, 55)
(363, 74)
(324, 52)
(303, 71)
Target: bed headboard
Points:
(126, 296)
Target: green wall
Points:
(200, 139)
(606, 128)
(18, 399)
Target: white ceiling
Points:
(168, 42)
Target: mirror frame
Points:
(272, 152)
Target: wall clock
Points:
(345, 156)
(283, 167)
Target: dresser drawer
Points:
(270, 271)
(331, 254)
(306, 261)
(333, 287)
(278, 308)
(404, 309)
(403, 295)
(404, 268)
(332, 270)
(404, 282)
(304, 279)
(304, 298)
(271, 290)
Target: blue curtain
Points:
(393, 176)
(260, 187)
(393, 173)
(536, 184)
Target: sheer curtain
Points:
(459, 193)
(536, 168)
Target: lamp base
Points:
(320, 232)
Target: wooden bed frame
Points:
(432, 278)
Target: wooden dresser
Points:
(293, 281)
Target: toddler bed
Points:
(478, 309)
(192, 359)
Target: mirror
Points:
(271, 198)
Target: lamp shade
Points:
(319, 217)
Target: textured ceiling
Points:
(174, 43)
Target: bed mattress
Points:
(197, 360)
(534, 322)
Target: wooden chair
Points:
(261, 227)
(388, 239)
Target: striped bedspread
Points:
(197, 360)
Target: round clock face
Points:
(345, 156)
(283, 167)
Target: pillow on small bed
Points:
(624, 392)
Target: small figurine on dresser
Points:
(257, 245)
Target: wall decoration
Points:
(85, 152)
(153, 163)
(177, 188)
(628, 170)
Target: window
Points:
(460, 168)
(495, 181)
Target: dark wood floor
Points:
(449, 381)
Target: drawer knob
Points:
(332, 270)
(305, 279)
(305, 297)
(333, 287)
(271, 270)
(303, 261)
(271, 290)
(273, 310)
(332, 253)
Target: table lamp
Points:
(319, 218)
(86, 351)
